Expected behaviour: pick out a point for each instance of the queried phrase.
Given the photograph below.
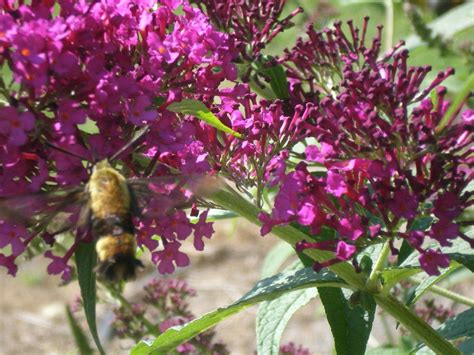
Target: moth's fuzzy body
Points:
(112, 226)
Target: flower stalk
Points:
(373, 283)
(152, 329)
(415, 325)
(456, 297)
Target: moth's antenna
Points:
(51, 145)
(139, 135)
(94, 157)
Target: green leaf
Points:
(447, 25)
(393, 275)
(86, 258)
(411, 265)
(461, 251)
(421, 224)
(278, 80)
(273, 316)
(428, 282)
(78, 333)
(465, 259)
(275, 258)
(461, 325)
(350, 324)
(405, 251)
(197, 109)
(89, 126)
(265, 290)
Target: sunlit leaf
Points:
(197, 109)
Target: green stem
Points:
(373, 283)
(152, 329)
(456, 297)
(416, 325)
(236, 203)
(388, 24)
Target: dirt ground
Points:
(32, 305)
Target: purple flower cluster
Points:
(166, 302)
(381, 156)
(432, 312)
(83, 81)
(292, 349)
(127, 322)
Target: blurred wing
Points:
(167, 192)
(58, 210)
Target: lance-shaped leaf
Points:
(391, 276)
(197, 109)
(461, 325)
(265, 290)
(86, 258)
(278, 80)
(350, 320)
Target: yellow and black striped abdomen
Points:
(112, 224)
(117, 257)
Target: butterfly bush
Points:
(378, 139)
(356, 153)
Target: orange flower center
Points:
(25, 52)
